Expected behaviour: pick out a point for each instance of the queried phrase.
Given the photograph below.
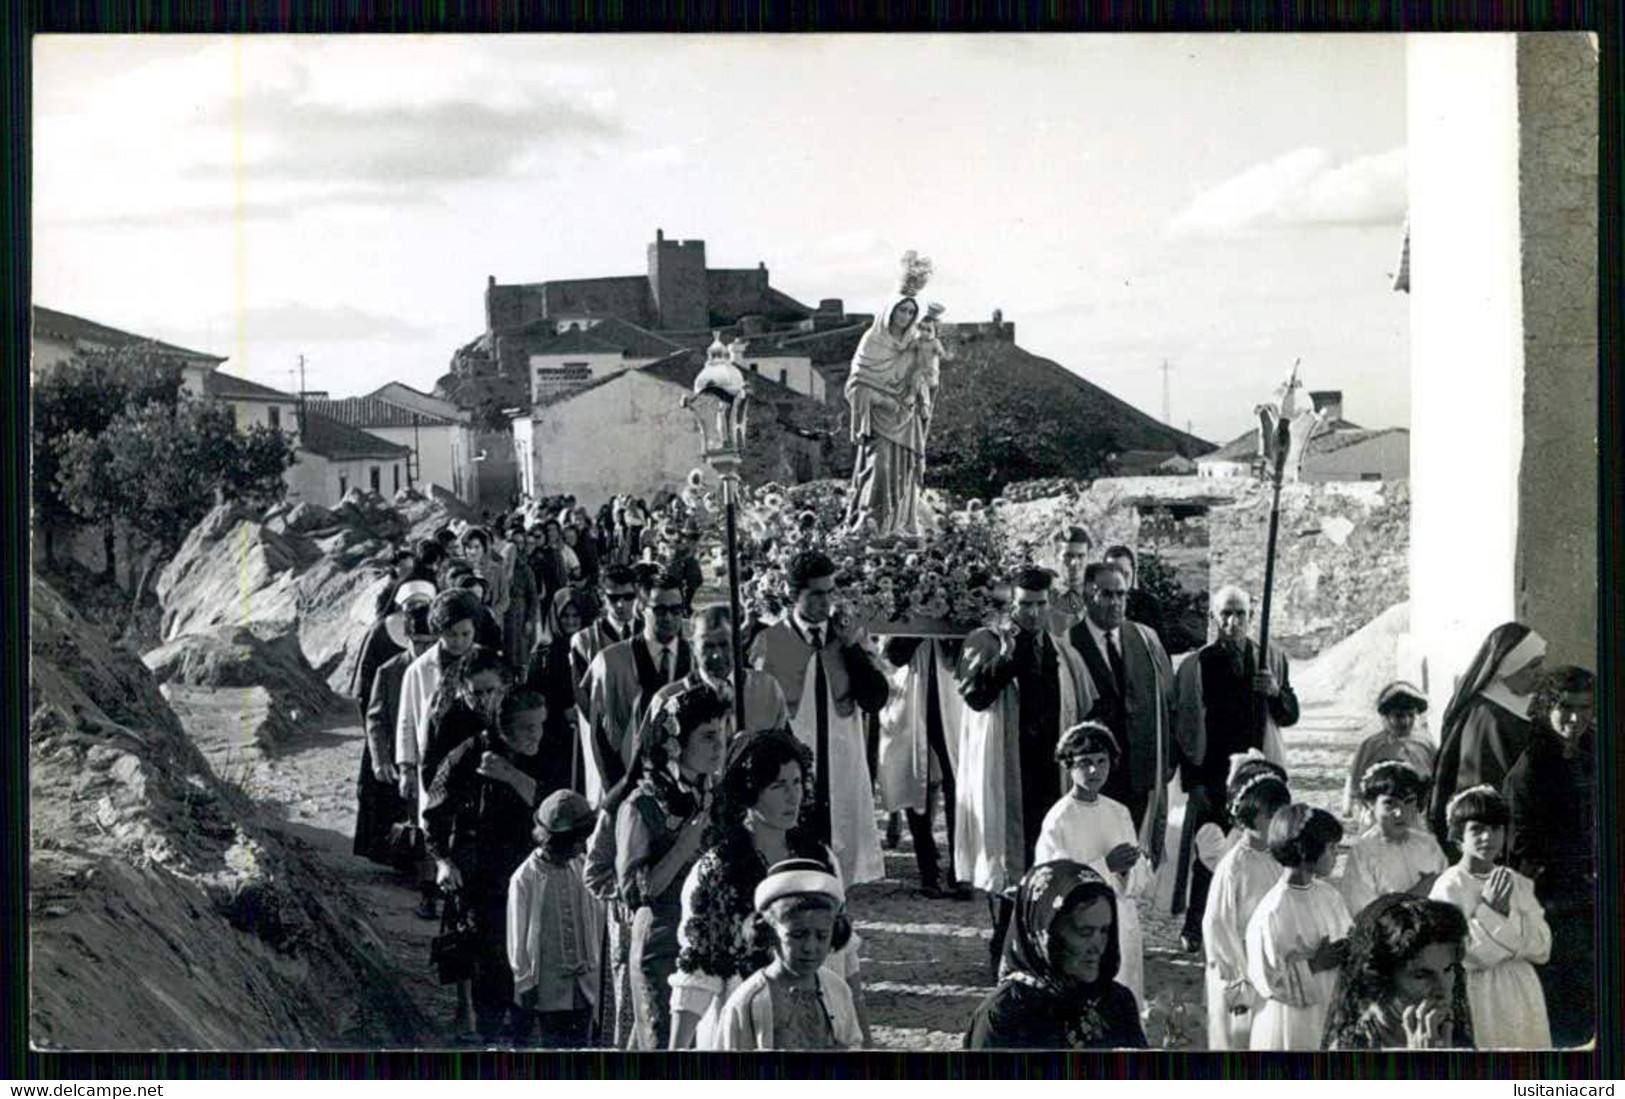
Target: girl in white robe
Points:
(1245, 872)
(1507, 934)
(1088, 827)
(1392, 855)
(1297, 933)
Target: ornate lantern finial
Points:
(719, 402)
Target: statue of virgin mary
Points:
(891, 390)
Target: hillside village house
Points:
(437, 434)
(629, 432)
(1343, 451)
(333, 457)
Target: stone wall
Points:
(1342, 555)
(1342, 558)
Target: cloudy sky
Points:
(1225, 203)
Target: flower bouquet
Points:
(941, 584)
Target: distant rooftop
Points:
(66, 326)
(336, 441)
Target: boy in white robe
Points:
(1298, 935)
(1507, 933)
(1391, 856)
(1088, 827)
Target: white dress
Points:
(1287, 926)
(1377, 866)
(1084, 831)
(1503, 990)
(1243, 878)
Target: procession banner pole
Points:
(1283, 442)
(729, 496)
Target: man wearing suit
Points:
(1133, 683)
(618, 623)
(625, 676)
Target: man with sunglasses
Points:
(629, 672)
(617, 623)
(712, 637)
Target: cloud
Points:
(289, 203)
(298, 322)
(1302, 188)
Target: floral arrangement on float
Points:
(941, 583)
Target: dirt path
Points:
(925, 962)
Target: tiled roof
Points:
(680, 369)
(52, 322)
(1340, 434)
(336, 441)
(368, 412)
(232, 388)
(573, 342)
(415, 400)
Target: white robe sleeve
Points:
(1274, 974)
(524, 901)
(1359, 884)
(1521, 934)
(1222, 934)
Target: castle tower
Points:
(677, 282)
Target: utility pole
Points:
(301, 396)
(1167, 408)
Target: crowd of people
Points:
(626, 848)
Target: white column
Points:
(1466, 347)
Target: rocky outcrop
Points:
(302, 570)
(280, 687)
(164, 911)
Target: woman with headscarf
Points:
(379, 805)
(890, 391)
(659, 827)
(549, 675)
(1488, 723)
(1059, 990)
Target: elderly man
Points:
(1132, 683)
(622, 679)
(711, 636)
(830, 680)
(1225, 704)
(1023, 686)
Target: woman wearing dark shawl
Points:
(549, 676)
(1487, 725)
(890, 391)
(1059, 989)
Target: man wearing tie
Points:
(625, 676)
(712, 639)
(1132, 682)
(828, 677)
(618, 623)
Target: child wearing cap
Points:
(1400, 705)
(793, 1002)
(1393, 855)
(1087, 826)
(555, 927)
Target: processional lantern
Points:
(721, 405)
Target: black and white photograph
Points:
(758, 543)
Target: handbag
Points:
(405, 848)
(453, 951)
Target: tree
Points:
(160, 468)
(83, 395)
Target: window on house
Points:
(784, 376)
(276, 418)
(377, 479)
(397, 478)
(755, 368)
(344, 486)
